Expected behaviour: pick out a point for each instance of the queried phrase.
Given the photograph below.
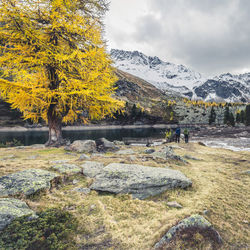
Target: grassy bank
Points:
(118, 222)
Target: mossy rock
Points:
(26, 182)
(11, 209)
(189, 227)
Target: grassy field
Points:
(120, 222)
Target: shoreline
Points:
(82, 128)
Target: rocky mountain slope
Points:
(180, 80)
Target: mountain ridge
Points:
(182, 81)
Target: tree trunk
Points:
(55, 129)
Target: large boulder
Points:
(189, 227)
(83, 146)
(11, 209)
(92, 168)
(26, 182)
(140, 181)
(103, 145)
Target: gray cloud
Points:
(211, 36)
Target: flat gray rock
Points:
(92, 168)
(59, 162)
(11, 209)
(191, 225)
(26, 182)
(67, 169)
(174, 204)
(140, 181)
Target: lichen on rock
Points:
(189, 226)
(12, 208)
(26, 182)
(140, 181)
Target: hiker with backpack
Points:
(186, 135)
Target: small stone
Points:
(69, 153)
(202, 144)
(149, 151)
(75, 182)
(33, 157)
(82, 190)
(132, 158)
(67, 148)
(245, 221)
(206, 212)
(59, 162)
(83, 157)
(125, 152)
(174, 204)
(97, 155)
(92, 207)
(246, 172)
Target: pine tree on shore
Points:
(247, 115)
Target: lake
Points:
(40, 137)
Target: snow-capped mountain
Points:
(179, 79)
(226, 87)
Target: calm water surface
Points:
(40, 137)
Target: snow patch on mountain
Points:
(164, 75)
(180, 80)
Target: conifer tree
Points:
(212, 116)
(231, 119)
(226, 115)
(238, 117)
(242, 116)
(247, 115)
(54, 61)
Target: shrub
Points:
(13, 143)
(53, 229)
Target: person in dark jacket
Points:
(186, 135)
(177, 134)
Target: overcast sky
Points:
(209, 36)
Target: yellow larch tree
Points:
(54, 63)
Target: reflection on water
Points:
(40, 137)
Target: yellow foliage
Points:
(53, 56)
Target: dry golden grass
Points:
(119, 222)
